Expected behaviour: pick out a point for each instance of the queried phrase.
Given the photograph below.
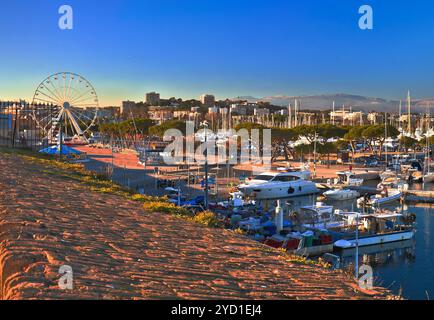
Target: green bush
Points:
(207, 218)
(165, 207)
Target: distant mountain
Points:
(245, 98)
(356, 102)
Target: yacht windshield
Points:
(286, 178)
(263, 177)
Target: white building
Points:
(207, 99)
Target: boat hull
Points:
(428, 178)
(381, 201)
(282, 191)
(375, 239)
(341, 196)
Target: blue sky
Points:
(229, 48)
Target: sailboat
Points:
(428, 176)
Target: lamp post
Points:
(314, 154)
(205, 125)
(357, 246)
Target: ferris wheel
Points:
(65, 103)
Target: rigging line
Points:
(48, 96)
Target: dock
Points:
(420, 196)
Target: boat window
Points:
(263, 177)
(285, 178)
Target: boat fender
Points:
(291, 190)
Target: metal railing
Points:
(18, 128)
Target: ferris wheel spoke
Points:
(55, 89)
(64, 86)
(80, 97)
(74, 122)
(42, 100)
(82, 114)
(68, 95)
(76, 90)
(84, 102)
(79, 117)
(52, 93)
(49, 97)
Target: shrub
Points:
(146, 198)
(165, 207)
(207, 218)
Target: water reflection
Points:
(394, 253)
(404, 267)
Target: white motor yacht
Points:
(275, 185)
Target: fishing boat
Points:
(277, 185)
(348, 178)
(373, 229)
(312, 215)
(341, 194)
(388, 176)
(392, 196)
(385, 196)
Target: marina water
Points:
(403, 267)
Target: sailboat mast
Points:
(289, 116)
(295, 114)
(385, 134)
(333, 117)
(409, 112)
(400, 115)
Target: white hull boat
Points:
(375, 229)
(375, 239)
(395, 195)
(269, 186)
(428, 178)
(341, 194)
(279, 190)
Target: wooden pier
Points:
(420, 196)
